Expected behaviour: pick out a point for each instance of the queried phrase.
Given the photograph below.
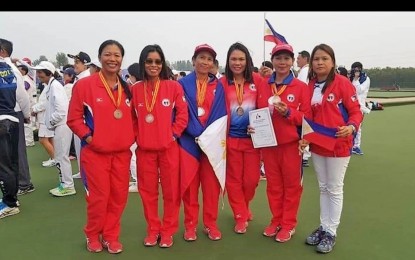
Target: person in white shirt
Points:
(361, 82)
(303, 60)
(81, 61)
(56, 111)
(30, 88)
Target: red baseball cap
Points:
(282, 47)
(205, 47)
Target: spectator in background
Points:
(182, 74)
(215, 69)
(334, 105)
(342, 71)
(361, 82)
(56, 110)
(69, 78)
(12, 92)
(23, 114)
(31, 91)
(81, 70)
(94, 66)
(303, 59)
(133, 71)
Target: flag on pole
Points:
(319, 134)
(271, 35)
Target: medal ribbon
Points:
(153, 100)
(201, 91)
(109, 91)
(279, 92)
(239, 91)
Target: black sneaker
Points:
(305, 163)
(28, 189)
(315, 237)
(326, 244)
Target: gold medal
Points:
(200, 111)
(118, 114)
(240, 111)
(149, 118)
(274, 100)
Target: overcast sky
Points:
(377, 39)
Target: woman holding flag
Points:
(334, 106)
(203, 144)
(288, 99)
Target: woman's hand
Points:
(88, 139)
(344, 131)
(302, 144)
(282, 108)
(250, 130)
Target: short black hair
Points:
(268, 64)
(305, 54)
(7, 46)
(357, 65)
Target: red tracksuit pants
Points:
(149, 163)
(283, 167)
(106, 178)
(205, 177)
(242, 175)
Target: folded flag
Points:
(318, 134)
(271, 35)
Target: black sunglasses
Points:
(151, 61)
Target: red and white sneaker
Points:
(166, 241)
(113, 247)
(271, 230)
(240, 227)
(284, 235)
(213, 233)
(151, 239)
(190, 234)
(93, 245)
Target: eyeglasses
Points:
(151, 61)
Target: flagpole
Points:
(263, 38)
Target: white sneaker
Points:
(61, 191)
(76, 175)
(49, 163)
(133, 187)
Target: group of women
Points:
(165, 118)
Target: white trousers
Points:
(77, 144)
(62, 145)
(28, 134)
(358, 138)
(133, 163)
(330, 173)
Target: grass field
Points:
(377, 220)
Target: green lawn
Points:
(377, 220)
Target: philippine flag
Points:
(211, 138)
(318, 134)
(271, 35)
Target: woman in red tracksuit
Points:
(334, 105)
(289, 100)
(100, 115)
(162, 116)
(243, 160)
